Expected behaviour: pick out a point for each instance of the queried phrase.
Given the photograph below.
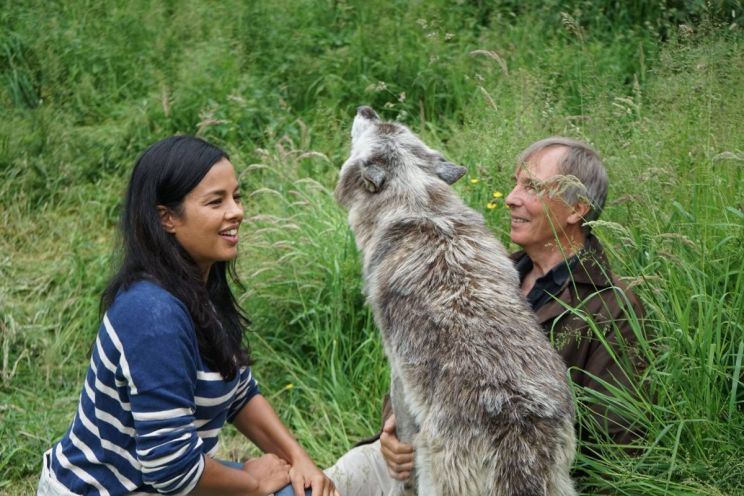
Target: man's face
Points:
(538, 214)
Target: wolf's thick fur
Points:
(472, 371)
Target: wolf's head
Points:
(389, 164)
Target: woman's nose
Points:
(235, 211)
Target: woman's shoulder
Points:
(145, 293)
(146, 304)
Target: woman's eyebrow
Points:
(214, 192)
(219, 191)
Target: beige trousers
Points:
(48, 485)
(362, 472)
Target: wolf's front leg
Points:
(425, 482)
(405, 424)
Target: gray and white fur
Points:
(476, 385)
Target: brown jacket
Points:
(591, 321)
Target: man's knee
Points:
(362, 471)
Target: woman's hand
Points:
(398, 456)
(271, 472)
(260, 423)
(304, 474)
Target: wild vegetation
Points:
(656, 86)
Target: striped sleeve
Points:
(159, 362)
(247, 389)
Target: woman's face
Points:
(211, 213)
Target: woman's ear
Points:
(166, 219)
(578, 212)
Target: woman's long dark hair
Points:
(163, 176)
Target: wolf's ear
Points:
(449, 172)
(373, 177)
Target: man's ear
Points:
(166, 219)
(579, 212)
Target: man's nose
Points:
(513, 198)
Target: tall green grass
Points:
(86, 87)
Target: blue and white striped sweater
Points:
(150, 408)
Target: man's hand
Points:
(271, 472)
(398, 456)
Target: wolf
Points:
(475, 384)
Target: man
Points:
(590, 317)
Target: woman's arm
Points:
(265, 476)
(259, 423)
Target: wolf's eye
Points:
(374, 161)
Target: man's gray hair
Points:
(582, 162)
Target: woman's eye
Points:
(215, 202)
(238, 198)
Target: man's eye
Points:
(533, 185)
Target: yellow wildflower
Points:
(498, 194)
(491, 205)
(475, 180)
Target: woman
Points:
(168, 368)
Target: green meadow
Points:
(657, 87)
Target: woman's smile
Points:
(230, 235)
